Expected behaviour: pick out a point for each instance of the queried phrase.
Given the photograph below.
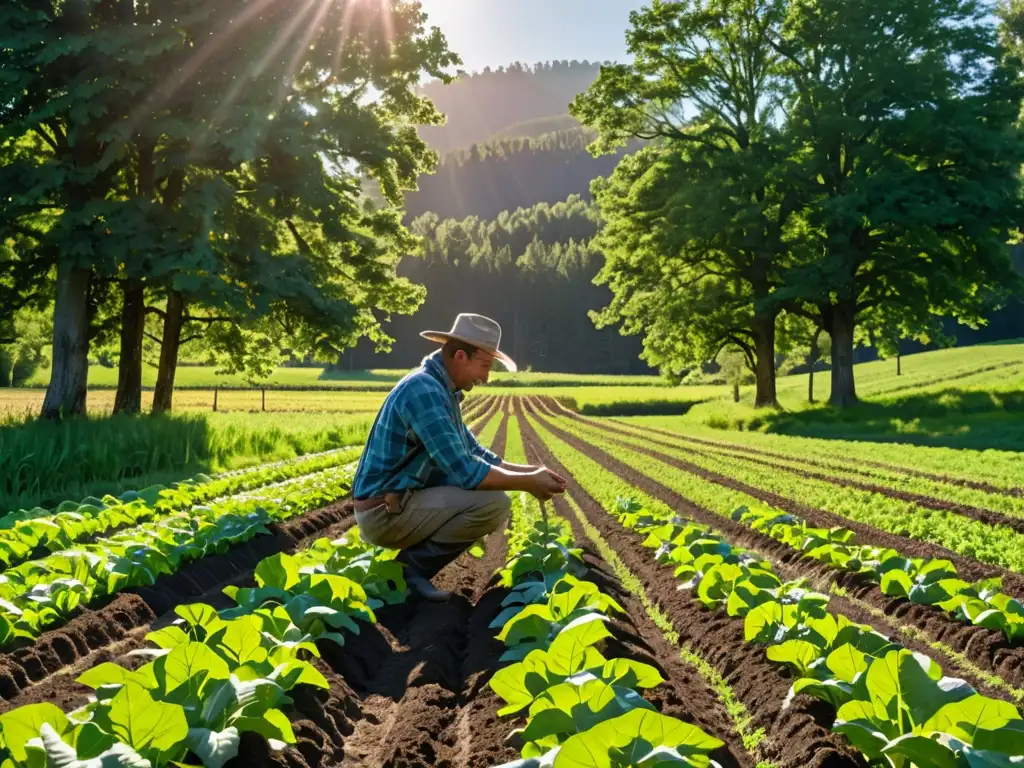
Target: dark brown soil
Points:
(988, 516)
(968, 568)
(796, 736)
(960, 482)
(987, 649)
(89, 637)
(684, 694)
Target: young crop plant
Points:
(581, 708)
(893, 705)
(214, 676)
(924, 581)
(26, 533)
(40, 593)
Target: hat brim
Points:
(442, 336)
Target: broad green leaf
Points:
(797, 653)
(963, 718)
(24, 723)
(280, 570)
(148, 726)
(921, 751)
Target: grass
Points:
(43, 463)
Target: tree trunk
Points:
(735, 391)
(66, 393)
(129, 367)
(813, 356)
(164, 392)
(899, 365)
(844, 390)
(764, 354)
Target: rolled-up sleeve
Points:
(426, 414)
(479, 451)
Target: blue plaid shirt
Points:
(423, 412)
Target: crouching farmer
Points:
(424, 484)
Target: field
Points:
(735, 599)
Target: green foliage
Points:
(230, 186)
(582, 708)
(214, 676)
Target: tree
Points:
(203, 158)
(905, 116)
(696, 224)
(735, 369)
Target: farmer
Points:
(424, 484)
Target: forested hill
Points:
(532, 270)
(485, 105)
(504, 175)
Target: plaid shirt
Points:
(423, 412)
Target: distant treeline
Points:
(532, 271)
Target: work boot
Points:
(425, 560)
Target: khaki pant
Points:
(445, 514)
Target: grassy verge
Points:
(43, 463)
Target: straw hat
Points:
(477, 330)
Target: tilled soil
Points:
(968, 568)
(988, 516)
(88, 638)
(958, 482)
(421, 673)
(985, 648)
(798, 735)
(684, 694)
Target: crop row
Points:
(40, 593)
(893, 705)
(29, 533)
(996, 545)
(924, 581)
(807, 459)
(213, 676)
(998, 472)
(581, 708)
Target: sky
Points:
(496, 32)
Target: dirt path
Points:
(959, 482)
(985, 648)
(421, 674)
(796, 736)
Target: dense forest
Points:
(512, 173)
(530, 269)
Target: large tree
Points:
(202, 156)
(696, 224)
(904, 113)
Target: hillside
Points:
(507, 174)
(484, 105)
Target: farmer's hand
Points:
(543, 484)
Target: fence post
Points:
(263, 392)
(215, 399)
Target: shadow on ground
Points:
(955, 418)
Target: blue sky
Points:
(496, 32)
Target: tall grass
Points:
(43, 463)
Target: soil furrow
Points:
(684, 694)
(420, 670)
(47, 667)
(988, 516)
(797, 735)
(968, 568)
(987, 649)
(959, 482)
